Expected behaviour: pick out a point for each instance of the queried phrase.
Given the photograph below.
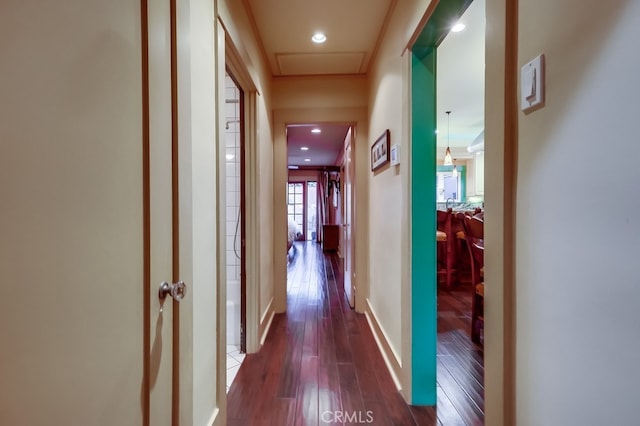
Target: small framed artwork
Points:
(380, 151)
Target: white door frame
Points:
(244, 80)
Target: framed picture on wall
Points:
(380, 151)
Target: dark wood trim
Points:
(510, 174)
(175, 399)
(318, 168)
(384, 141)
(146, 213)
(174, 145)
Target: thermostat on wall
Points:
(395, 154)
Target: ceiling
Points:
(322, 148)
(460, 83)
(285, 28)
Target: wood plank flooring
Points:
(320, 363)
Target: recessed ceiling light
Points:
(458, 27)
(316, 131)
(307, 160)
(304, 148)
(319, 38)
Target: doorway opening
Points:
(460, 185)
(448, 118)
(317, 159)
(235, 226)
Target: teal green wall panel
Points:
(423, 219)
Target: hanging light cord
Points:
(448, 128)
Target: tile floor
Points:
(234, 359)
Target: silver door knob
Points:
(175, 290)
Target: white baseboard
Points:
(394, 364)
(215, 419)
(265, 322)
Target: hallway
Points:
(320, 362)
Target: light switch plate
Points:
(395, 154)
(532, 84)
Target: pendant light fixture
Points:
(455, 171)
(447, 153)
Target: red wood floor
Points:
(320, 363)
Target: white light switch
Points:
(532, 84)
(395, 154)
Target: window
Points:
(295, 204)
(450, 187)
(312, 195)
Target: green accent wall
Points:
(423, 201)
(423, 220)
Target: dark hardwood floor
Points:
(320, 363)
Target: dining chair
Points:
(474, 236)
(445, 246)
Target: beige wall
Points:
(303, 175)
(327, 92)
(386, 201)
(577, 290)
(390, 290)
(265, 191)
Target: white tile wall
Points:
(233, 178)
(232, 158)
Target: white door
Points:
(86, 218)
(347, 220)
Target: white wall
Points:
(577, 293)
(266, 197)
(197, 109)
